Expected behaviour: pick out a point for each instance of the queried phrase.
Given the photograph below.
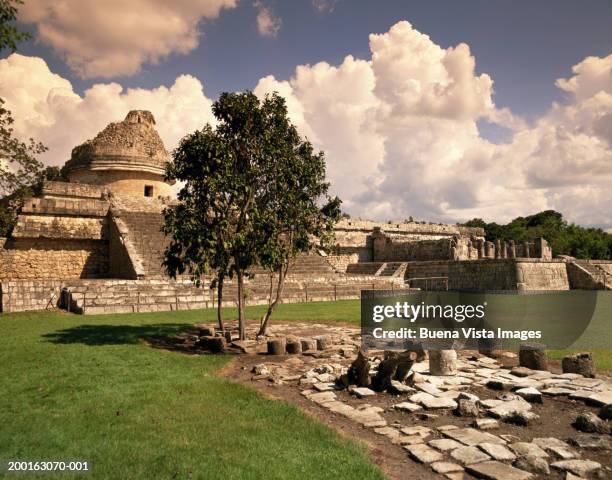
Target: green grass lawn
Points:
(85, 387)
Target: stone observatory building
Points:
(94, 245)
(127, 157)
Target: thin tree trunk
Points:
(282, 275)
(241, 322)
(220, 303)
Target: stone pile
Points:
(409, 407)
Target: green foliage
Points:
(564, 238)
(251, 193)
(9, 35)
(11, 203)
(94, 390)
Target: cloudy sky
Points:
(441, 110)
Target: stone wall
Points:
(78, 190)
(124, 182)
(490, 274)
(20, 296)
(355, 237)
(37, 259)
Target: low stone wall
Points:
(20, 296)
(533, 274)
(490, 275)
(49, 259)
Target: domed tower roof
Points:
(132, 144)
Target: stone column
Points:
(504, 252)
(512, 248)
(533, 356)
(489, 250)
(442, 362)
(498, 248)
(481, 249)
(526, 250)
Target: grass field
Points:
(81, 387)
(85, 387)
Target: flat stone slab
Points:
(577, 467)
(435, 403)
(323, 397)
(587, 382)
(444, 444)
(494, 470)
(548, 442)
(557, 391)
(469, 455)
(324, 387)
(417, 430)
(390, 432)
(423, 454)
(497, 451)
(428, 388)
(526, 449)
(407, 407)
(591, 442)
(485, 423)
(507, 409)
(601, 398)
(362, 392)
(530, 394)
(563, 453)
(471, 436)
(446, 467)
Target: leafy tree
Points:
(20, 172)
(249, 195)
(289, 218)
(9, 35)
(564, 238)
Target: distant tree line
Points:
(563, 237)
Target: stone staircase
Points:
(378, 269)
(153, 295)
(589, 275)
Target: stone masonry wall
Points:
(491, 274)
(26, 258)
(21, 296)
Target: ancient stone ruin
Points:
(450, 412)
(94, 245)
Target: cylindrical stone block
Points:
(533, 356)
(324, 342)
(308, 344)
(228, 336)
(442, 362)
(207, 331)
(580, 363)
(294, 347)
(214, 344)
(276, 346)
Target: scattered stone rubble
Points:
(333, 373)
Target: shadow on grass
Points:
(97, 335)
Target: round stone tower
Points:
(128, 157)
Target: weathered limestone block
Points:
(388, 369)
(277, 346)
(294, 346)
(533, 356)
(581, 363)
(308, 344)
(359, 371)
(442, 362)
(324, 342)
(214, 344)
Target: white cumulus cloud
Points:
(46, 107)
(268, 23)
(116, 37)
(399, 128)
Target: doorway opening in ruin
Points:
(148, 190)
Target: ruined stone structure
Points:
(94, 245)
(127, 157)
